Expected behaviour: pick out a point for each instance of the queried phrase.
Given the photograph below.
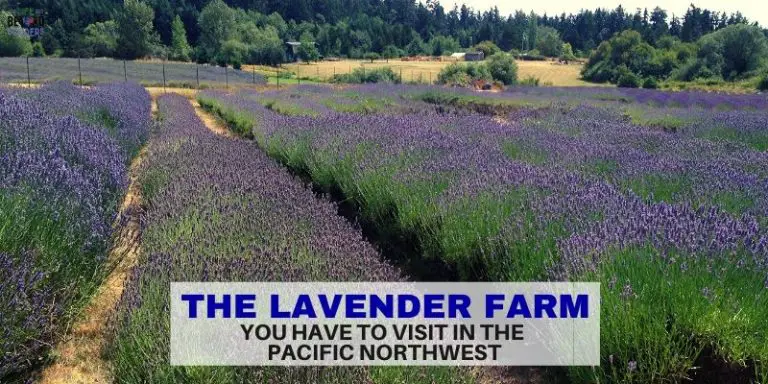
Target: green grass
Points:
(525, 153)
(361, 105)
(601, 167)
(755, 140)
(658, 188)
(240, 122)
(667, 121)
(673, 310)
(284, 107)
(272, 80)
(420, 375)
(101, 117)
(476, 103)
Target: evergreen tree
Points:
(180, 49)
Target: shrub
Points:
(14, 42)
(548, 41)
(488, 48)
(650, 83)
(530, 81)
(503, 68)
(463, 74)
(628, 80)
(763, 84)
(371, 56)
(37, 50)
(625, 78)
(361, 75)
(567, 53)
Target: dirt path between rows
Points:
(79, 357)
(214, 124)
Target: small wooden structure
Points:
(292, 52)
(474, 56)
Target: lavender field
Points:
(220, 210)
(64, 154)
(662, 197)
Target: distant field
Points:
(102, 70)
(150, 73)
(426, 71)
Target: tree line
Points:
(255, 31)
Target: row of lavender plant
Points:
(219, 210)
(557, 193)
(60, 182)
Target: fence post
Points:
(278, 76)
(401, 75)
(226, 75)
(298, 71)
(334, 71)
(163, 75)
(253, 72)
(29, 77)
(197, 74)
(79, 70)
(125, 71)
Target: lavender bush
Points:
(670, 221)
(60, 182)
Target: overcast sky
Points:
(754, 10)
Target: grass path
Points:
(79, 357)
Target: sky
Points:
(754, 10)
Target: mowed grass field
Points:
(548, 72)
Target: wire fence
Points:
(34, 70)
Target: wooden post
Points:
(29, 77)
(79, 71)
(163, 75)
(197, 74)
(125, 71)
(253, 72)
(226, 75)
(278, 76)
